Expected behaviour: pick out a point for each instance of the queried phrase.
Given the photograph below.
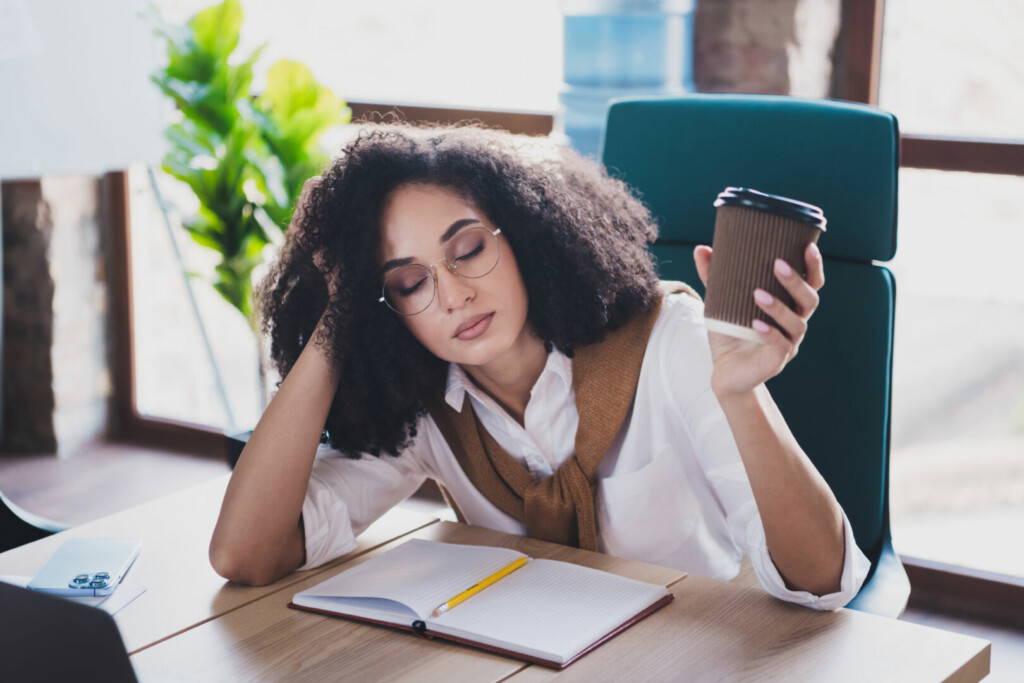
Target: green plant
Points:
(245, 158)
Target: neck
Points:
(510, 377)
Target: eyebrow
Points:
(448, 234)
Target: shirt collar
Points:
(558, 365)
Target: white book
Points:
(547, 612)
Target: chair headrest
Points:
(680, 152)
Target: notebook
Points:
(546, 612)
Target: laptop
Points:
(48, 638)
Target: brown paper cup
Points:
(752, 229)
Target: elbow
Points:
(816, 580)
(821, 587)
(237, 569)
(819, 583)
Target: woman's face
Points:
(414, 223)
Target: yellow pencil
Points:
(477, 587)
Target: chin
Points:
(484, 349)
(481, 353)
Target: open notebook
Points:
(547, 612)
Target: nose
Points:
(453, 291)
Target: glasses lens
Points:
(474, 252)
(409, 289)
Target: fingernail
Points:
(782, 268)
(763, 297)
(759, 325)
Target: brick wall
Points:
(28, 398)
(779, 47)
(56, 388)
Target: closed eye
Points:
(471, 254)
(406, 291)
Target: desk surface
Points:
(182, 589)
(192, 625)
(714, 630)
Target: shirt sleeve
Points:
(346, 495)
(855, 568)
(687, 356)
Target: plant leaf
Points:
(216, 29)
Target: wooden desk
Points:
(265, 640)
(714, 630)
(182, 590)
(192, 625)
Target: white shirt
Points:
(672, 489)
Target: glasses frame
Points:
(452, 267)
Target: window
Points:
(958, 385)
(174, 378)
(954, 68)
(958, 378)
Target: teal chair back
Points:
(678, 153)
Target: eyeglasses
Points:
(473, 253)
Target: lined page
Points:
(549, 609)
(419, 574)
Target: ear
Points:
(702, 260)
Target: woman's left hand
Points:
(741, 365)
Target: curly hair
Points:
(579, 235)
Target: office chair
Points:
(18, 527)
(680, 152)
(234, 444)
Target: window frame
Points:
(860, 60)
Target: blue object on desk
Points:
(86, 566)
(680, 152)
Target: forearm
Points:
(258, 537)
(803, 523)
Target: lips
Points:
(473, 326)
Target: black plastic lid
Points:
(747, 198)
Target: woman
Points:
(481, 309)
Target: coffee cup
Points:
(752, 229)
